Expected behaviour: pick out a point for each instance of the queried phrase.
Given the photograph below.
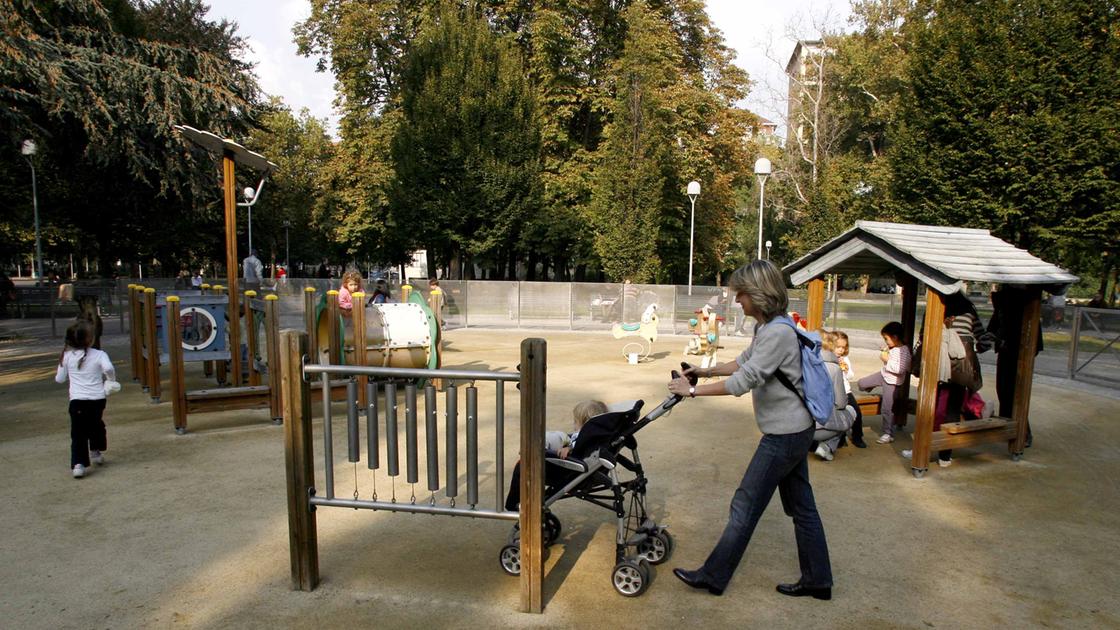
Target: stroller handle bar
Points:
(665, 407)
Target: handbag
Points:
(965, 371)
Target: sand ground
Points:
(191, 531)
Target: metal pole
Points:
(761, 196)
(35, 205)
(287, 250)
(250, 230)
(691, 230)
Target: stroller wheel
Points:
(657, 548)
(630, 578)
(510, 559)
(551, 528)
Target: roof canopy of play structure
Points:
(944, 259)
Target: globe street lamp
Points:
(768, 244)
(693, 193)
(762, 171)
(29, 149)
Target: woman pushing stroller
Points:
(779, 462)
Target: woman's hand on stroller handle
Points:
(680, 385)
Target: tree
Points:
(100, 84)
(1011, 123)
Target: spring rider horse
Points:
(705, 340)
(645, 331)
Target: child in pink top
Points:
(351, 284)
(896, 367)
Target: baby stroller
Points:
(594, 472)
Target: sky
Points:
(762, 32)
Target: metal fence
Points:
(1087, 351)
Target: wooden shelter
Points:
(231, 154)
(943, 259)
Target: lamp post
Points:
(29, 149)
(248, 193)
(762, 171)
(693, 193)
(768, 243)
(287, 248)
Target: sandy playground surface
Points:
(191, 531)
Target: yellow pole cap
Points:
(309, 289)
(271, 297)
(437, 291)
(332, 292)
(359, 294)
(251, 293)
(204, 286)
(131, 285)
(149, 290)
(173, 298)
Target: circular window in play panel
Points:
(199, 328)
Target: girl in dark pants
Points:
(779, 461)
(89, 370)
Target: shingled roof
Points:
(941, 257)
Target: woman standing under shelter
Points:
(787, 429)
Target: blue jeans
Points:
(779, 462)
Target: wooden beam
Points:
(222, 370)
(251, 339)
(358, 318)
(309, 323)
(942, 440)
(815, 304)
(233, 267)
(1024, 372)
(152, 344)
(927, 389)
(333, 338)
(272, 349)
(134, 331)
(175, 358)
(533, 362)
(303, 537)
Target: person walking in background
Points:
(252, 271)
(380, 292)
(92, 377)
(779, 462)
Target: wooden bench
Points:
(228, 398)
(968, 426)
(869, 404)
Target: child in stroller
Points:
(591, 472)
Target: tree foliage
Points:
(99, 84)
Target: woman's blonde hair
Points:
(587, 409)
(763, 282)
(352, 275)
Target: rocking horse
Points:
(705, 341)
(645, 331)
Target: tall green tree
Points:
(466, 153)
(99, 84)
(1011, 122)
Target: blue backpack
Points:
(818, 397)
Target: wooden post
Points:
(435, 304)
(222, 377)
(533, 390)
(816, 303)
(927, 389)
(1074, 339)
(251, 339)
(175, 359)
(207, 366)
(229, 184)
(309, 323)
(1024, 373)
(909, 317)
(135, 331)
(303, 538)
(358, 316)
(334, 352)
(153, 344)
(272, 348)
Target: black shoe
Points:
(693, 579)
(843, 442)
(800, 590)
(857, 440)
(1030, 439)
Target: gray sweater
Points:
(776, 409)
